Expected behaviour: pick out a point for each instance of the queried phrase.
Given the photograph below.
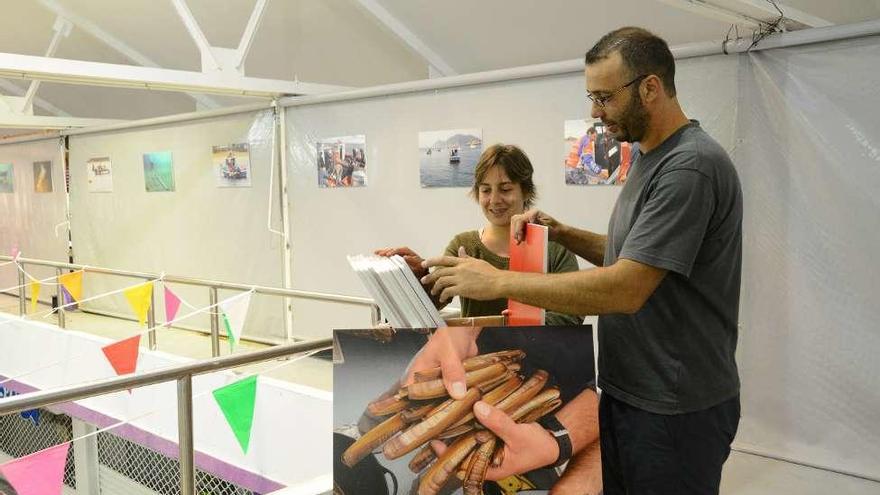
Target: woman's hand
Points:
(413, 260)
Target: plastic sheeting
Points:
(393, 210)
(198, 230)
(29, 220)
(808, 154)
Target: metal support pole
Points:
(151, 321)
(60, 296)
(22, 299)
(281, 149)
(185, 435)
(85, 457)
(215, 321)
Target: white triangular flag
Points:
(234, 312)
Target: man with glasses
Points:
(666, 283)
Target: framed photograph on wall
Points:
(158, 172)
(342, 161)
(593, 156)
(7, 179)
(232, 165)
(100, 174)
(448, 158)
(43, 177)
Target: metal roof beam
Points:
(408, 37)
(130, 76)
(116, 44)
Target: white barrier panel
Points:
(291, 436)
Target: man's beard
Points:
(633, 122)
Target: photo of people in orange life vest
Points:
(342, 161)
(594, 156)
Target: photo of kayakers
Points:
(448, 158)
(232, 165)
(342, 161)
(593, 157)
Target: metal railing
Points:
(182, 374)
(212, 285)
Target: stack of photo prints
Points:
(397, 292)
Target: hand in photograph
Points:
(527, 446)
(447, 348)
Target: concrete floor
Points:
(744, 474)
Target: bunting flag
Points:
(73, 282)
(14, 252)
(41, 473)
(172, 304)
(123, 355)
(35, 293)
(139, 298)
(32, 415)
(234, 312)
(237, 400)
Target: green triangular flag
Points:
(236, 400)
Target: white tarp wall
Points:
(199, 230)
(394, 210)
(28, 219)
(808, 153)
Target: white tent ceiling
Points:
(352, 43)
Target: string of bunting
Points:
(42, 472)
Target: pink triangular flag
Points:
(172, 304)
(123, 355)
(41, 473)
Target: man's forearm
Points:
(586, 292)
(588, 245)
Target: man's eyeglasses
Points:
(600, 101)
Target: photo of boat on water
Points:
(448, 158)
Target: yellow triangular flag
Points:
(35, 293)
(73, 282)
(139, 298)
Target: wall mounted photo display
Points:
(342, 161)
(43, 177)
(7, 179)
(232, 165)
(158, 171)
(593, 156)
(448, 158)
(100, 174)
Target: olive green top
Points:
(559, 260)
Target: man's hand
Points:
(463, 276)
(527, 446)
(413, 260)
(447, 348)
(518, 224)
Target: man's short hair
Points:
(642, 52)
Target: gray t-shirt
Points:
(680, 210)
